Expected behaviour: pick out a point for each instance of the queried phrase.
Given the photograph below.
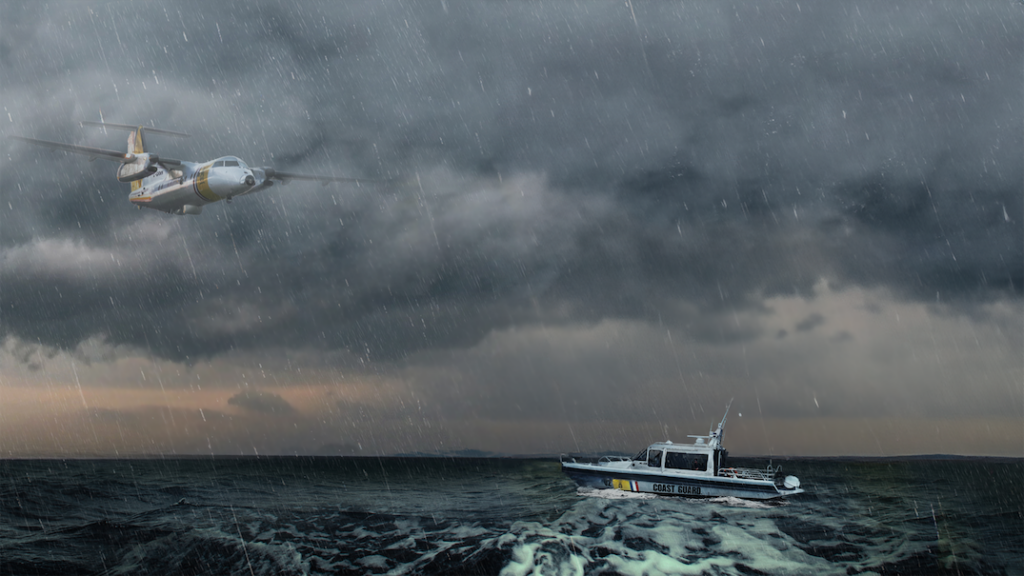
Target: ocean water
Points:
(299, 515)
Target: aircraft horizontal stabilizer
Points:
(130, 127)
(100, 152)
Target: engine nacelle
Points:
(141, 166)
(260, 180)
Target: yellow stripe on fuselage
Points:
(203, 185)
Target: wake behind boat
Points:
(695, 470)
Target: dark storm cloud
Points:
(261, 402)
(562, 164)
(810, 323)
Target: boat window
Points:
(681, 461)
(641, 455)
(654, 458)
(676, 460)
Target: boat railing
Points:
(763, 474)
(589, 459)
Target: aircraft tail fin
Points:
(136, 142)
(136, 145)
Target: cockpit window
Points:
(231, 162)
(218, 164)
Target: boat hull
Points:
(607, 477)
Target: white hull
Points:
(698, 485)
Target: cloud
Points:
(73, 261)
(27, 354)
(261, 401)
(810, 323)
(598, 183)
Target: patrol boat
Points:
(694, 470)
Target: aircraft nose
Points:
(249, 180)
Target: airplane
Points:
(178, 186)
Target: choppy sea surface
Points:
(302, 515)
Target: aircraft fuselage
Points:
(185, 189)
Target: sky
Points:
(603, 222)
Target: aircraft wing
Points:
(87, 150)
(286, 176)
(112, 155)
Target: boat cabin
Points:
(669, 457)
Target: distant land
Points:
(482, 454)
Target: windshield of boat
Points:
(641, 455)
(654, 458)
